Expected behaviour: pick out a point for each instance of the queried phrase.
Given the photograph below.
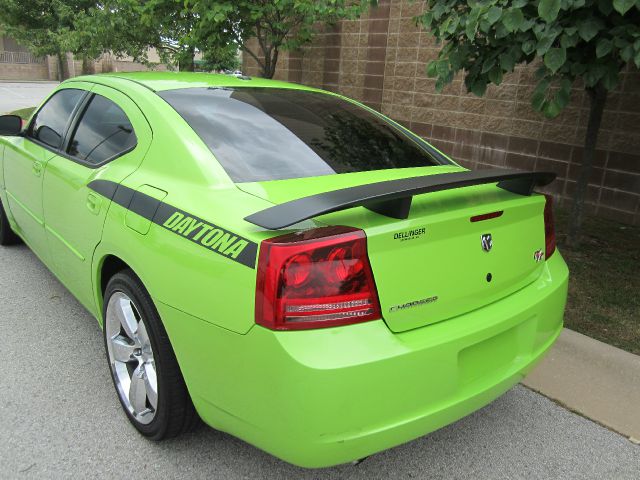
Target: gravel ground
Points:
(60, 418)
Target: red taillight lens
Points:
(549, 227)
(314, 279)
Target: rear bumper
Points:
(323, 397)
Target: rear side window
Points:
(262, 134)
(103, 133)
(50, 123)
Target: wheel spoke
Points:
(127, 318)
(122, 349)
(137, 390)
(143, 338)
(151, 384)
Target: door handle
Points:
(93, 203)
(37, 168)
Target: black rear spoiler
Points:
(393, 197)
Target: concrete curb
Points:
(594, 379)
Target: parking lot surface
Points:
(60, 417)
(15, 95)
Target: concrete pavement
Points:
(60, 417)
(15, 95)
(595, 379)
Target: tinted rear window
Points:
(262, 134)
(103, 133)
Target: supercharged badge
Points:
(415, 303)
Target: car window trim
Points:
(75, 117)
(76, 122)
(74, 112)
(94, 166)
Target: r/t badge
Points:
(538, 255)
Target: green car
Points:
(284, 263)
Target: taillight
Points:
(549, 227)
(315, 279)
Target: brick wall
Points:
(381, 60)
(23, 71)
(48, 69)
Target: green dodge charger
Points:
(284, 263)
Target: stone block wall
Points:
(381, 60)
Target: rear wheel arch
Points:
(165, 393)
(108, 266)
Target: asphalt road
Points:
(15, 95)
(60, 418)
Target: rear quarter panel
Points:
(176, 269)
(179, 270)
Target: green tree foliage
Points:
(275, 24)
(131, 27)
(45, 27)
(588, 40)
(225, 58)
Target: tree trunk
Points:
(267, 71)
(270, 62)
(186, 61)
(598, 98)
(61, 60)
(87, 66)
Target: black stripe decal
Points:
(144, 205)
(195, 229)
(104, 188)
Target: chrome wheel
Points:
(131, 358)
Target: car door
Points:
(107, 140)
(25, 159)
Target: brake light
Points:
(315, 279)
(549, 227)
(486, 216)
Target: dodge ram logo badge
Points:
(487, 242)
(538, 255)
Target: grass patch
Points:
(24, 113)
(604, 285)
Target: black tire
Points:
(7, 235)
(175, 413)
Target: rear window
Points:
(260, 134)
(104, 132)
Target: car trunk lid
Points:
(437, 263)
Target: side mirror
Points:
(10, 125)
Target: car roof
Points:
(158, 81)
